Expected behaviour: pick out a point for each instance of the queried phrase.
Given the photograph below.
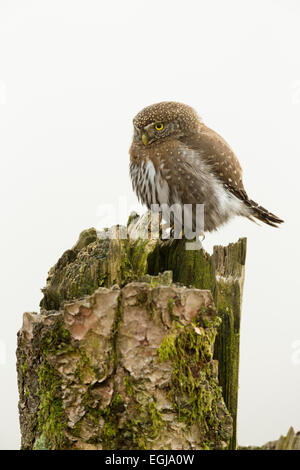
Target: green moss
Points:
(78, 272)
(171, 306)
(128, 385)
(51, 418)
(194, 392)
(86, 237)
(138, 255)
(116, 327)
(51, 422)
(56, 340)
(141, 427)
(25, 366)
(205, 446)
(110, 427)
(142, 423)
(124, 261)
(84, 370)
(40, 443)
(167, 349)
(155, 419)
(131, 259)
(190, 267)
(109, 432)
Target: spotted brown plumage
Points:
(176, 159)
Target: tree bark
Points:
(120, 357)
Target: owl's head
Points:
(165, 119)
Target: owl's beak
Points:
(145, 139)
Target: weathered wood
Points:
(94, 262)
(289, 442)
(128, 368)
(223, 274)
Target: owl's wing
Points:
(216, 153)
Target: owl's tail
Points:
(262, 214)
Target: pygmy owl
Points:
(176, 159)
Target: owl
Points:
(176, 159)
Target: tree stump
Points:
(124, 357)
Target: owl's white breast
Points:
(149, 185)
(220, 205)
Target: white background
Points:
(72, 76)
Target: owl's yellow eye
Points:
(159, 126)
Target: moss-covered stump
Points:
(112, 258)
(97, 261)
(128, 368)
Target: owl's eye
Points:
(159, 126)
